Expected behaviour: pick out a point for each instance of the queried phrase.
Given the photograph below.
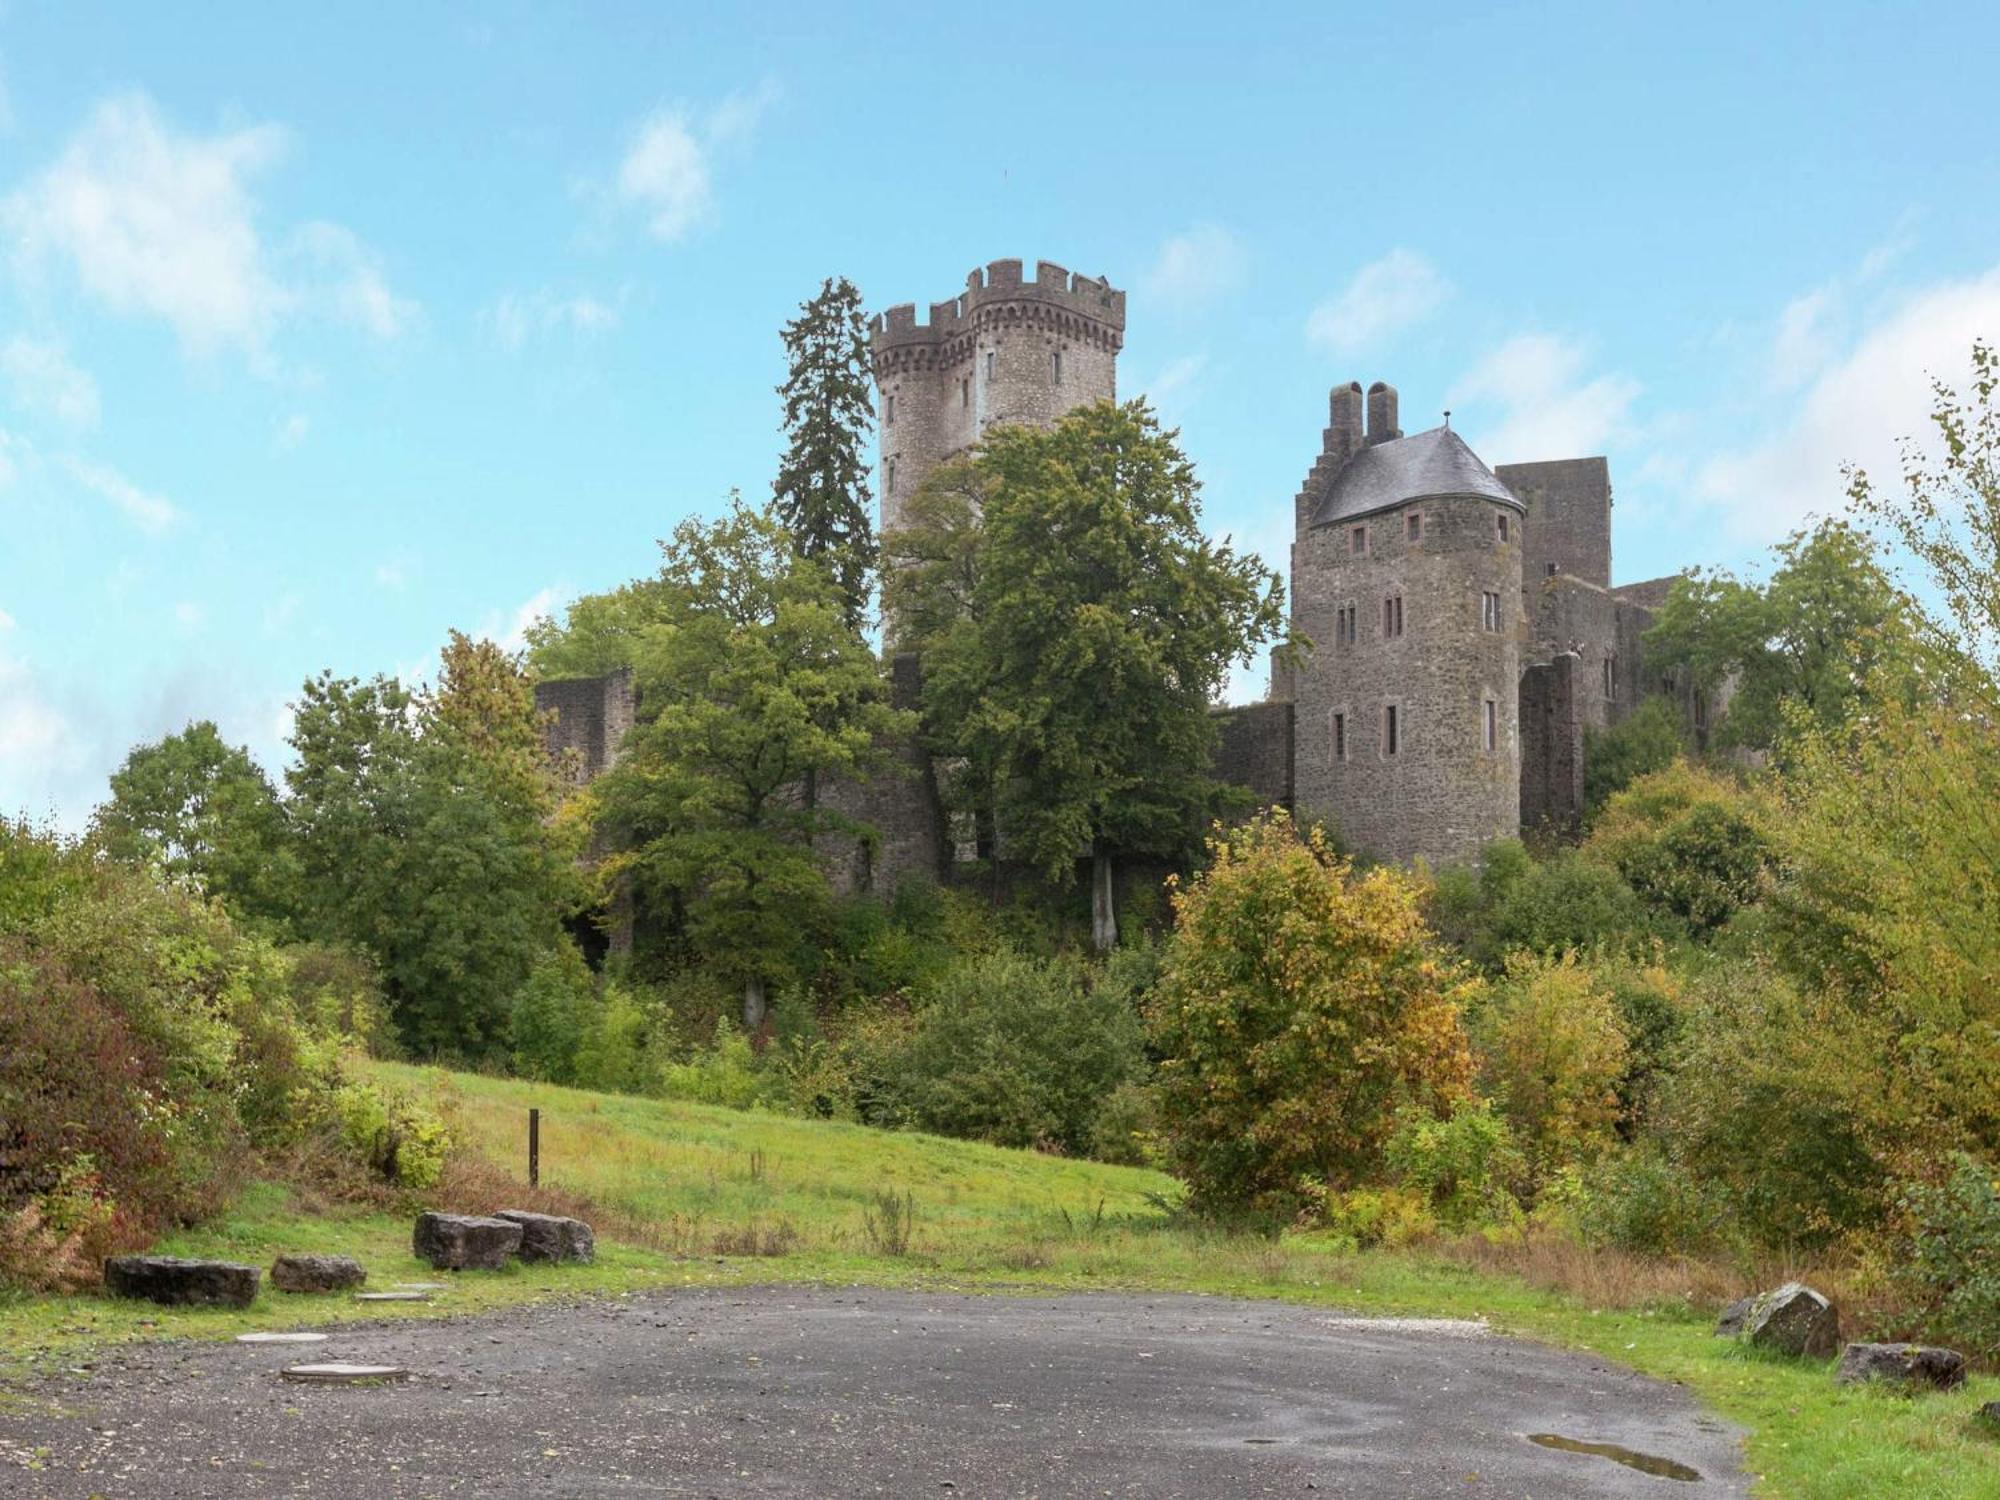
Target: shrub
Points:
(1566, 902)
(1368, 1217)
(1465, 1165)
(1648, 739)
(1641, 1200)
(400, 1139)
(1552, 1048)
(1686, 841)
(338, 991)
(1016, 1051)
(1951, 1268)
(723, 1073)
(1299, 1009)
(1127, 1129)
(615, 1051)
(549, 1015)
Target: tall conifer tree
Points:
(821, 491)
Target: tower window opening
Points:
(1492, 725)
(1489, 611)
(890, 476)
(1340, 736)
(1392, 617)
(1391, 730)
(1055, 365)
(1343, 625)
(889, 411)
(965, 391)
(1548, 570)
(1415, 526)
(1357, 541)
(1611, 676)
(1500, 522)
(990, 360)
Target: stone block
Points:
(1918, 1366)
(316, 1273)
(465, 1242)
(551, 1237)
(175, 1282)
(1794, 1320)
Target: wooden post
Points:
(534, 1148)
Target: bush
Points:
(1686, 841)
(1300, 1008)
(1015, 1051)
(1641, 1200)
(1550, 905)
(1465, 1166)
(402, 1141)
(549, 1016)
(1552, 1048)
(1648, 739)
(1367, 1217)
(1951, 1268)
(723, 1073)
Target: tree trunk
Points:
(753, 1006)
(1103, 920)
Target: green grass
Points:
(704, 1182)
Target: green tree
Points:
(1648, 739)
(1077, 677)
(598, 633)
(1300, 1007)
(203, 810)
(1810, 637)
(754, 682)
(1553, 1048)
(425, 836)
(821, 492)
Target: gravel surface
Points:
(787, 1391)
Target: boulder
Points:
(316, 1273)
(1988, 1416)
(1903, 1364)
(465, 1242)
(1793, 1320)
(552, 1237)
(174, 1282)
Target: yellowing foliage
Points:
(1554, 1051)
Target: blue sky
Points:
(325, 330)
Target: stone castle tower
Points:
(1005, 350)
(1406, 576)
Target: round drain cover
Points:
(281, 1338)
(343, 1374)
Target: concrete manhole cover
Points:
(343, 1374)
(281, 1338)
(422, 1286)
(392, 1296)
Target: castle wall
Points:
(1442, 793)
(1569, 518)
(590, 719)
(899, 802)
(1603, 629)
(1551, 748)
(1254, 746)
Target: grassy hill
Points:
(693, 1195)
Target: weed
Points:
(889, 1222)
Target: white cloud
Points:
(1176, 384)
(149, 511)
(1858, 405)
(42, 379)
(392, 573)
(13, 452)
(6, 620)
(667, 172)
(519, 316)
(1537, 401)
(35, 736)
(1385, 297)
(513, 634)
(1196, 267)
(292, 431)
(158, 223)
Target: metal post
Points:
(534, 1148)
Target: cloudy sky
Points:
(323, 330)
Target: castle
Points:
(1464, 627)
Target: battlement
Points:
(997, 292)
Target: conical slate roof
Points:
(1424, 466)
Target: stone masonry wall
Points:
(1569, 518)
(1551, 748)
(591, 717)
(1442, 794)
(1603, 630)
(1254, 745)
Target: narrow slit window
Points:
(1357, 540)
(1492, 725)
(1391, 731)
(1055, 366)
(1340, 736)
(1489, 611)
(989, 365)
(890, 478)
(965, 391)
(1415, 524)
(1549, 570)
(889, 411)
(1343, 625)
(1392, 617)
(1500, 521)
(1611, 677)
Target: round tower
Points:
(1004, 350)
(1407, 579)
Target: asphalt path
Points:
(789, 1391)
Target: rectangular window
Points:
(1500, 521)
(1340, 736)
(1357, 540)
(1489, 611)
(1611, 677)
(1055, 366)
(889, 411)
(1392, 617)
(1549, 570)
(1391, 737)
(891, 482)
(989, 366)
(965, 391)
(1343, 625)
(1492, 725)
(1415, 525)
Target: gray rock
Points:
(1902, 1364)
(465, 1242)
(552, 1237)
(174, 1282)
(1734, 1317)
(316, 1273)
(1794, 1320)
(1988, 1416)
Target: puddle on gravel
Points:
(1645, 1463)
